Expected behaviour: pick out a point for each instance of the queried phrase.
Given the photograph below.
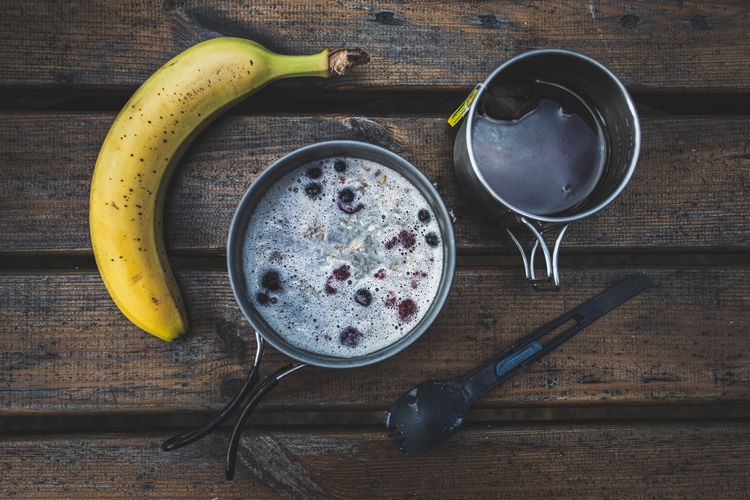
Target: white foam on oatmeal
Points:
(305, 238)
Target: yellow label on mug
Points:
(463, 108)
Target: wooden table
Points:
(653, 400)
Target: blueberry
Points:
(339, 166)
(350, 337)
(345, 202)
(262, 298)
(363, 297)
(423, 215)
(313, 189)
(349, 209)
(271, 281)
(432, 239)
(314, 172)
(346, 195)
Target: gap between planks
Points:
(55, 423)
(625, 258)
(705, 460)
(377, 103)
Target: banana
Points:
(142, 148)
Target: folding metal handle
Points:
(194, 435)
(252, 401)
(552, 280)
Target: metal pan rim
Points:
(293, 160)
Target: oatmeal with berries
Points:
(343, 257)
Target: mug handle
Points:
(552, 281)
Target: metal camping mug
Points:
(607, 98)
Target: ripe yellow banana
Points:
(144, 144)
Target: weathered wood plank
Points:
(703, 460)
(689, 190)
(66, 348)
(650, 44)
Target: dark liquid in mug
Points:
(538, 146)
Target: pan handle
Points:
(252, 401)
(186, 438)
(552, 281)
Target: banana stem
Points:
(341, 60)
(286, 66)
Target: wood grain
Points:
(674, 460)
(689, 191)
(67, 353)
(435, 45)
(67, 349)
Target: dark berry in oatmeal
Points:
(271, 281)
(345, 202)
(313, 189)
(407, 238)
(432, 239)
(314, 172)
(349, 209)
(262, 298)
(423, 215)
(339, 166)
(342, 272)
(363, 297)
(407, 308)
(350, 337)
(346, 195)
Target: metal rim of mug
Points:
(269, 177)
(636, 136)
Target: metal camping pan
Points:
(251, 392)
